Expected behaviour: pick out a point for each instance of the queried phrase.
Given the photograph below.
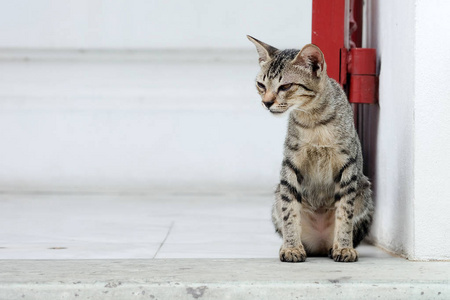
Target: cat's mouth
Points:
(279, 109)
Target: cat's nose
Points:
(269, 99)
(268, 104)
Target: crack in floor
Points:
(162, 243)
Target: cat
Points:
(323, 203)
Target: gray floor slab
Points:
(180, 246)
(317, 278)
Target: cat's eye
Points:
(285, 87)
(260, 85)
(306, 88)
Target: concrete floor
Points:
(140, 227)
(130, 226)
(179, 246)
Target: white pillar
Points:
(412, 127)
(432, 131)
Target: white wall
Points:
(392, 34)
(149, 24)
(147, 118)
(411, 128)
(432, 131)
(136, 126)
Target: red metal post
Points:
(333, 23)
(328, 27)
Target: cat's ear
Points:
(311, 57)
(265, 51)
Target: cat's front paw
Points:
(344, 255)
(296, 254)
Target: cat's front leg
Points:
(343, 250)
(289, 201)
(292, 249)
(346, 188)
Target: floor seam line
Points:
(162, 243)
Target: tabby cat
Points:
(323, 202)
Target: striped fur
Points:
(323, 202)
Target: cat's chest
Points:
(318, 166)
(319, 155)
(321, 136)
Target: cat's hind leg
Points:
(276, 220)
(363, 212)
